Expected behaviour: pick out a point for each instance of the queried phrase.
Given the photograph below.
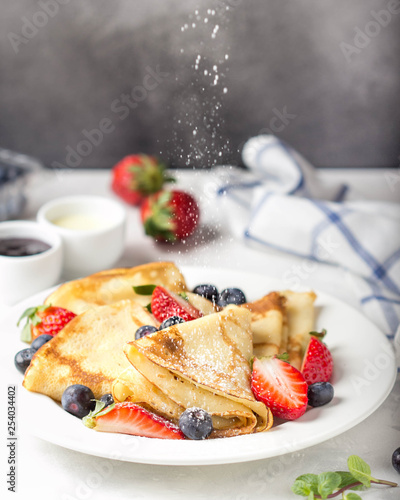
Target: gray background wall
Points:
(62, 77)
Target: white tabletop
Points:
(48, 471)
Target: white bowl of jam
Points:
(92, 229)
(30, 259)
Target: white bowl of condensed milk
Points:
(92, 229)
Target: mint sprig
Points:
(332, 484)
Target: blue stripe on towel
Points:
(364, 300)
(378, 270)
(319, 228)
(240, 185)
(286, 149)
(387, 308)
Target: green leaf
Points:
(27, 314)
(346, 478)
(144, 289)
(184, 296)
(328, 482)
(360, 470)
(311, 480)
(148, 307)
(320, 334)
(352, 496)
(164, 198)
(99, 410)
(301, 488)
(26, 334)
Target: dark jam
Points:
(22, 247)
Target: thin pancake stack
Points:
(202, 363)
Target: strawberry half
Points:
(165, 304)
(44, 320)
(170, 216)
(317, 365)
(280, 386)
(136, 176)
(129, 418)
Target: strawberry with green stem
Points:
(130, 418)
(44, 319)
(317, 365)
(137, 176)
(170, 215)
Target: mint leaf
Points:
(347, 479)
(144, 289)
(148, 307)
(327, 483)
(360, 470)
(303, 489)
(311, 480)
(352, 496)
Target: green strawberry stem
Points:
(160, 223)
(32, 318)
(320, 335)
(150, 176)
(100, 409)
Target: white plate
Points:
(364, 374)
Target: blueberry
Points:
(144, 330)
(196, 423)
(396, 459)
(78, 400)
(23, 359)
(320, 393)
(209, 292)
(41, 340)
(231, 296)
(173, 320)
(107, 399)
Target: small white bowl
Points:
(92, 229)
(21, 277)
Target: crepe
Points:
(88, 350)
(107, 287)
(300, 315)
(268, 324)
(203, 363)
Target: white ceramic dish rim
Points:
(351, 353)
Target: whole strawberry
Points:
(317, 365)
(138, 176)
(170, 215)
(44, 320)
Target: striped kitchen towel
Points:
(281, 203)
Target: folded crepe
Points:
(268, 324)
(202, 363)
(300, 314)
(107, 287)
(88, 350)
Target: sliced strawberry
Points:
(317, 363)
(45, 319)
(279, 386)
(129, 418)
(165, 304)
